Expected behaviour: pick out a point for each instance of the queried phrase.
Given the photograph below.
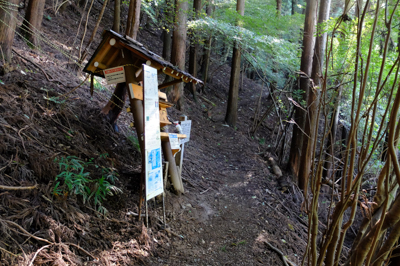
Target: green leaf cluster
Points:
(74, 179)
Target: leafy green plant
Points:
(74, 179)
(98, 86)
(134, 141)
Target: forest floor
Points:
(231, 213)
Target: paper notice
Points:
(115, 75)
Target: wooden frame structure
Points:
(117, 50)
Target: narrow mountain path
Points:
(231, 205)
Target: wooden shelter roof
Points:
(114, 47)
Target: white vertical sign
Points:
(186, 126)
(152, 140)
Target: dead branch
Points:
(22, 140)
(17, 188)
(33, 63)
(82, 249)
(58, 244)
(4, 167)
(26, 232)
(8, 252)
(36, 253)
(280, 253)
(207, 100)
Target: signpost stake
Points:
(182, 118)
(163, 206)
(147, 215)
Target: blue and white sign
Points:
(152, 140)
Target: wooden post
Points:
(137, 111)
(172, 169)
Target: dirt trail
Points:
(231, 207)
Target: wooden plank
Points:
(138, 94)
(165, 136)
(164, 117)
(162, 96)
(164, 104)
(135, 91)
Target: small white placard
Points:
(186, 126)
(115, 75)
(174, 141)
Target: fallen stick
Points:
(37, 253)
(26, 232)
(207, 100)
(33, 63)
(205, 191)
(84, 250)
(8, 252)
(17, 188)
(280, 253)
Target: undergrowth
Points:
(75, 179)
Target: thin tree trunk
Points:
(294, 4)
(278, 7)
(132, 25)
(85, 51)
(117, 15)
(7, 14)
(167, 32)
(33, 20)
(359, 8)
(179, 47)
(231, 112)
(207, 48)
(193, 51)
(306, 67)
(311, 127)
(167, 44)
(330, 146)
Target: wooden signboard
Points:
(152, 138)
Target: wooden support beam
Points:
(167, 84)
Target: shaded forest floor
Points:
(232, 205)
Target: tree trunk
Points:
(207, 47)
(330, 146)
(231, 112)
(167, 44)
(193, 51)
(132, 25)
(359, 8)
(167, 32)
(306, 67)
(278, 7)
(179, 47)
(311, 128)
(33, 20)
(7, 32)
(117, 15)
(294, 5)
